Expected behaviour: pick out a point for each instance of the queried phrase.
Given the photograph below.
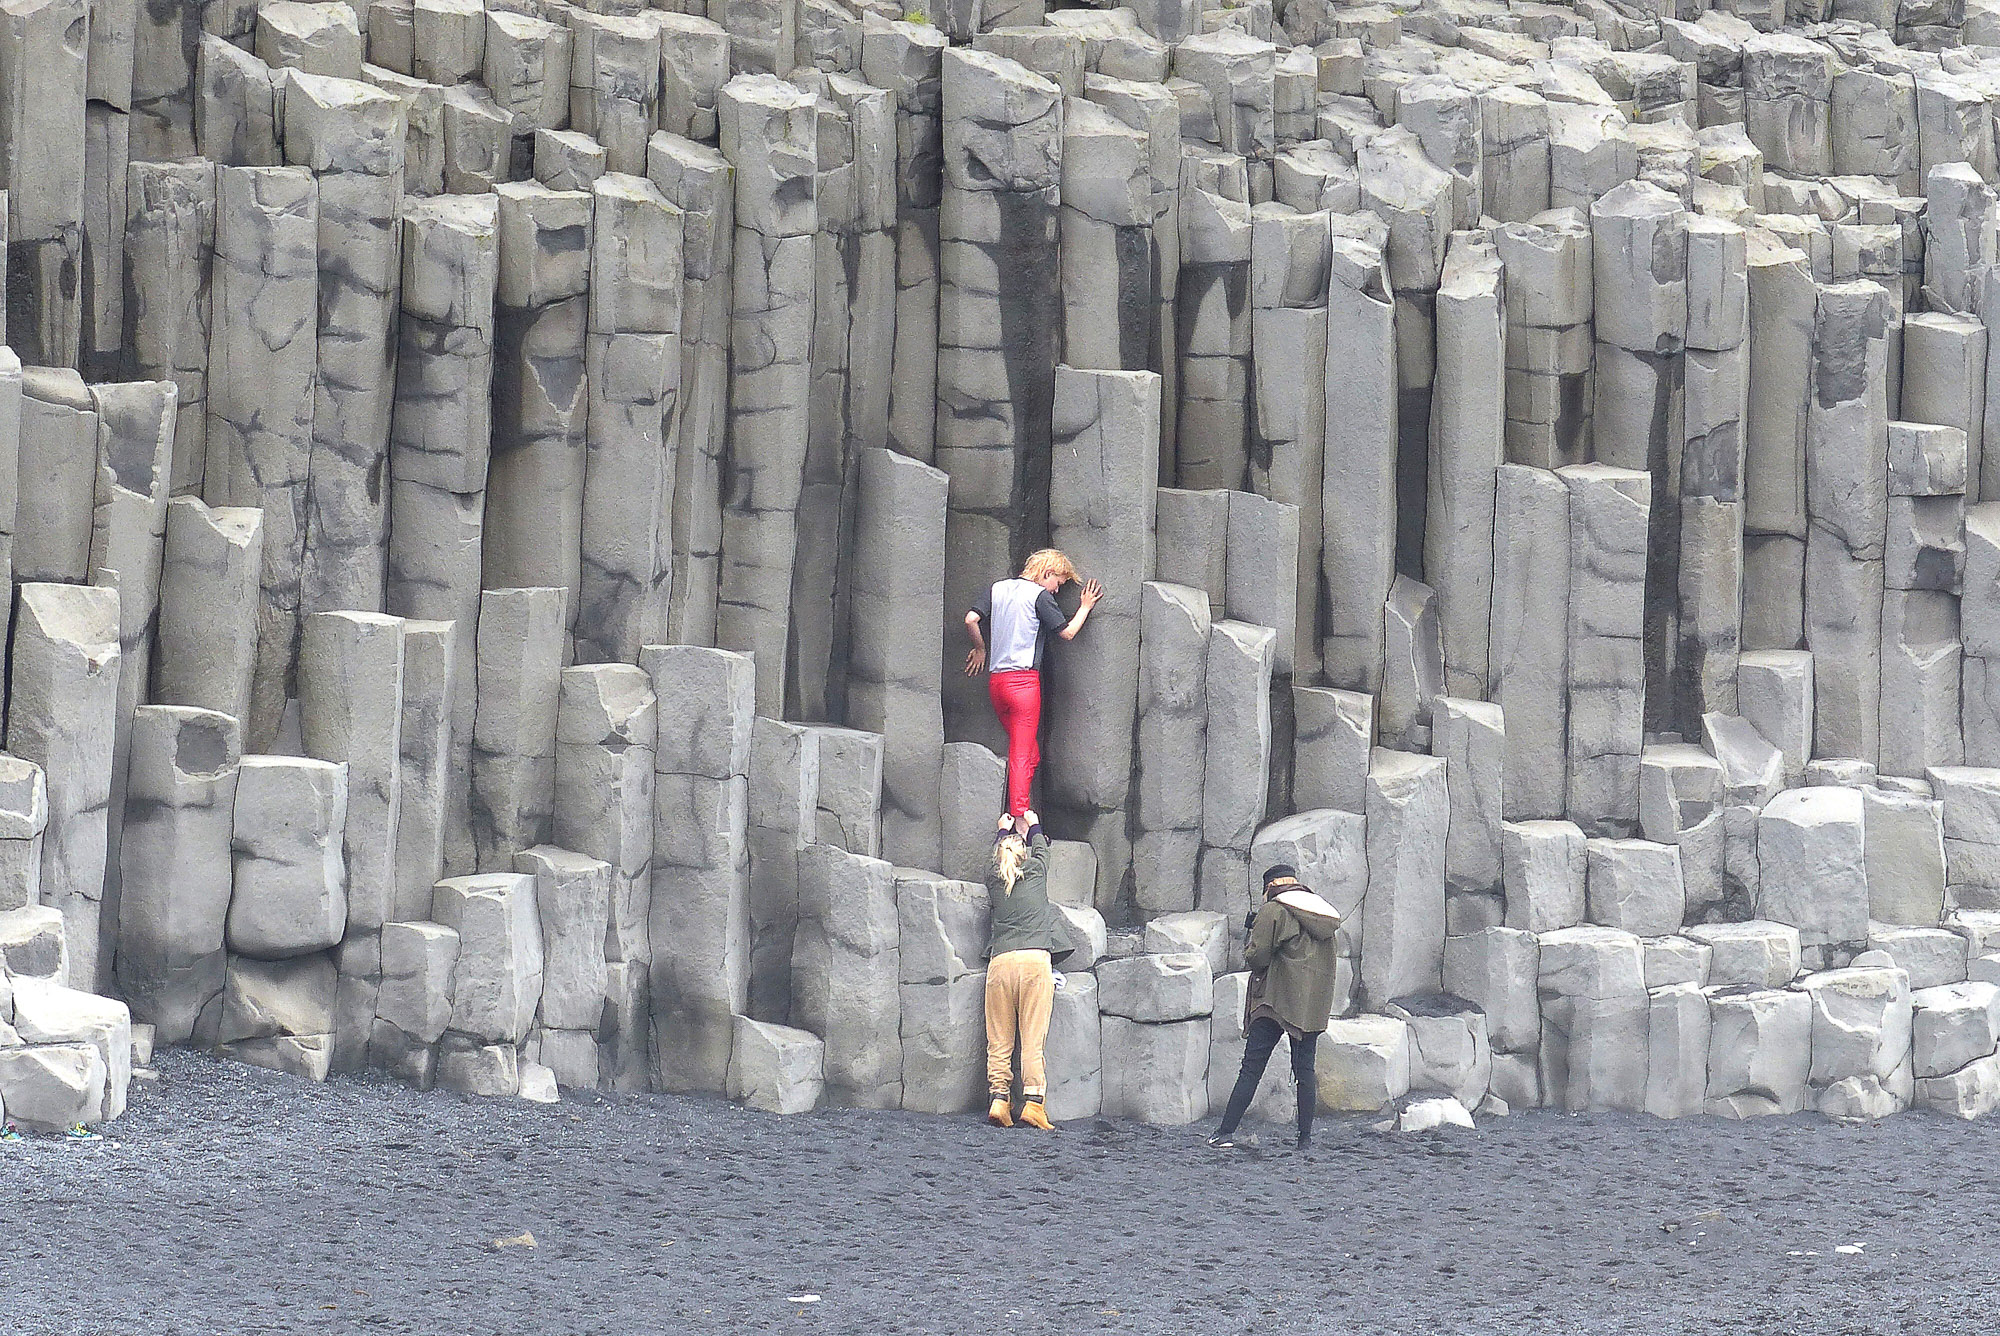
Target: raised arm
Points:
(1092, 591)
(1038, 842)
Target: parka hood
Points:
(1319, 919)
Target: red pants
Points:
(1017, 700)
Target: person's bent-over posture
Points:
(1291, 956)
(1028, 937)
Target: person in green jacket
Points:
(1027, 938)
(1292, 958)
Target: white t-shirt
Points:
(1017, 613)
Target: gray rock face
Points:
(513, 743)
(1156, 989)
(1954, 1025)
(1635, 885)
(1811, 869)
(1402, 915)
(287, 855)
(776, 1069)
(1498, 969)
(50, 1087)
(175, 892)
(1155, 1073)
(1449, 1049)
(607, 724)
(700, 920)
(1106, 433)
(893, 684)
(633, 364)
(418, 961)
(1759, 1054)
(767, 131)
(1759, 954)
(261, 399)
(1861, 1024)
(572, 894)
(349, 664)
(1363, 1064)
(63, 679)
(845, 971)
(1175, 629)
(497, 978)
(1237, 755)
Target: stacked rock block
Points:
(490, 488)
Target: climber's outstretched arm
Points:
(1092, 591)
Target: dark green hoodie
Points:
(1023, 918)
(1293, 955)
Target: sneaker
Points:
(81, 1135)
(1221, 1142)
(11, 1133)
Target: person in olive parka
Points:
(1292, 958)
(1027, 939)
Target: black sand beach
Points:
(233, 1201)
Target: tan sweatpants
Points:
(1020, 992)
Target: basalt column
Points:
(768, 131)
(1212, 445)
(1717, 383)
(352, 138)
(1402, 188)
(893, 671)
(1468, 445)
(907, 59)
(1153, 111)
(635, 371)
(1847, 428)
(135, 441)
(260, 405)
(997, 337)
(1290, 254)
(854, 311)
(1109, 271)
(1106, 426)
(169, 247)
(1639, 255)
(701, 183)
(534, 476)
(1774, 445)
(43, 49)
(439, 442)
(1358, 516)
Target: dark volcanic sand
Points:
(231, 1201)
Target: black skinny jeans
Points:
(1257, 1045)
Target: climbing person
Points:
(1026, 941)
(1291, 956)
(1016, 615)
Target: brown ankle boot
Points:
(1034, 1115)
(998, 1112)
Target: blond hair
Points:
(1049, 561)
(1010, 855)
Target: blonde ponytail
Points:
(1010, 855)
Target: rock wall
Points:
(489, 491)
